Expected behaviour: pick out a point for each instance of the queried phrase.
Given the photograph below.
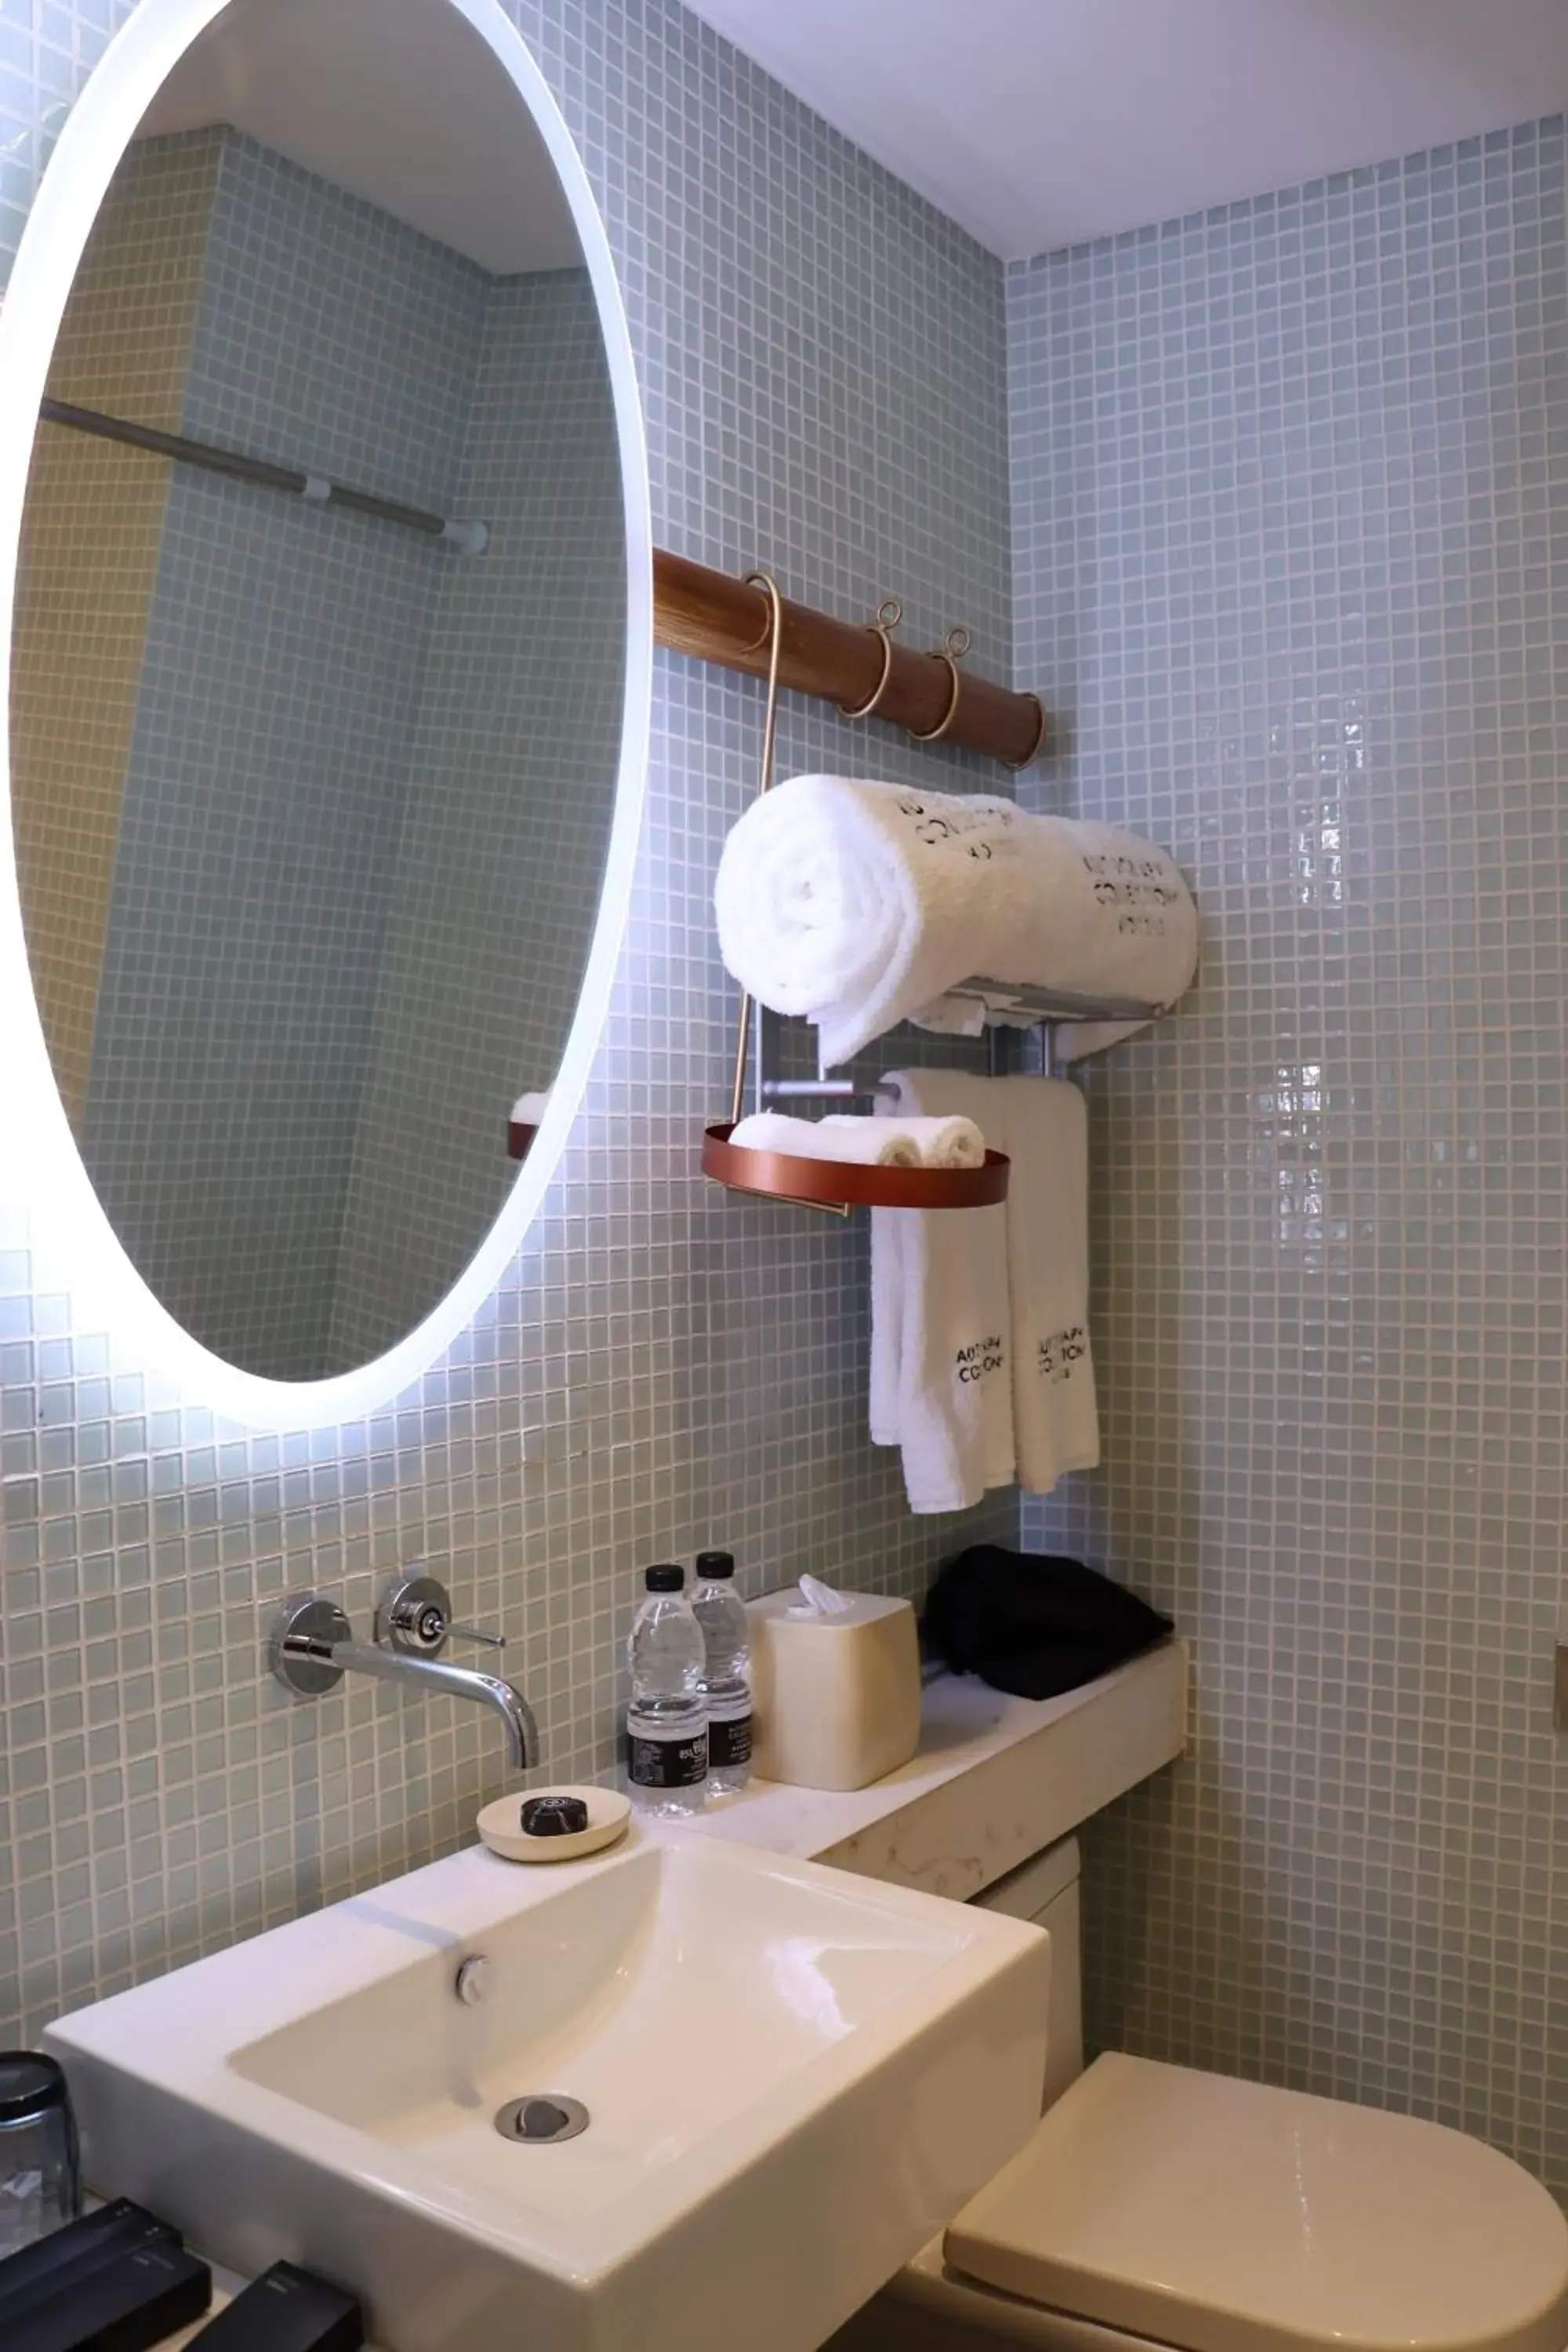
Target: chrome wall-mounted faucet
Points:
(312, 1647)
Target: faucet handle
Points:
(416, 1617)
(477, 1634)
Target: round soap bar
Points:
(556, 1816)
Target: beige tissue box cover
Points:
(837, 1699)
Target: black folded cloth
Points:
(1032, 1624)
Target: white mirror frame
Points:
(39, 1149)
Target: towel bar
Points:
(850, 662)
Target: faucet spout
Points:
(504, 1698)
(313, 1647)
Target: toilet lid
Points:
(1217, 2216)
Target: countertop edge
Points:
(995, 1779)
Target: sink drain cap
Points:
(542, 2120)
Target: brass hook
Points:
(775, 643)
(770, 587)
(952, 651)
(889, 612)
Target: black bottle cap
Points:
(664, 1580)
(30, 2085)
(715, 1564)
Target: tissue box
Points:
(837, 1699)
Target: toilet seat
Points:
(1217, 2216)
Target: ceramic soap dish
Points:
(501, 1826)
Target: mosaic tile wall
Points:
(1291, 518)
(822, 363)
(233, 1021)
(515, 750)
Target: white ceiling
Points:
(401, 102)
(1040, 122)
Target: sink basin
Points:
(792, 2079)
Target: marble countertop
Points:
(993, 1781)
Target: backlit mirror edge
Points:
(107, 1290)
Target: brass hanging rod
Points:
(853, 664)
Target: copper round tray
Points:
(836, 1184)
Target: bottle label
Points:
(728, 1741)
(678, 1761)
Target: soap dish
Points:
(501, 1826)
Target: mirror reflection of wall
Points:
(312, 808)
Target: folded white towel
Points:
(874, 1143)
(943, 1142)
(940, 1385)
(1074, 1041)
(529, 1110)
(1055, 1423)
(857, 903)
(969, 1016)
(950, 1016)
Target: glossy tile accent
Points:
(1292, 522)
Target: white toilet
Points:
(1156, 2207)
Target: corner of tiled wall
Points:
(1289, 504)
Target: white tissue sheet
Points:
(818, 1600)
(853, 903)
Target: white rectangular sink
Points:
(792, 2079)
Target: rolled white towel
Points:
(874, 1143)
(942, 1142)
(855, 903)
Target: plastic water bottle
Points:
(667, 1722)
(726, 1671)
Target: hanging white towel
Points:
(940, 1385)
(875, 1143)
(887, 1326)
(1054, 1418)
(855, 903)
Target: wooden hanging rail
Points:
(722, 619)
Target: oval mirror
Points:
(329, 663)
